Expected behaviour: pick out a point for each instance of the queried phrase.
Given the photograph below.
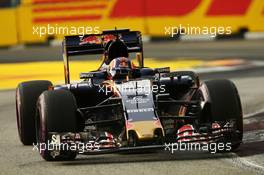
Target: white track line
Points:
(244, 162)
(254, 35)
(253, 113)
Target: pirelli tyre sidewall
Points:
(224, 104)
(56, 113)
(27, 94)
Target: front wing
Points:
(105, 143)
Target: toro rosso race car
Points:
(124, 106)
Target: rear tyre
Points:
(56, 112)
(27, 94)
(225, 105)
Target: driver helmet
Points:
(120, 67)
(115, 49)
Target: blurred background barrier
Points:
(20, 18)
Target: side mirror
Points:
(162, 70)
(95, 74)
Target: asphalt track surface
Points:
(199, 49)
(249, 159)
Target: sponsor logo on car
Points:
(90, 40)
(138, 99)
(140, 110)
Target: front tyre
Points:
(224, 105)
(56, 112)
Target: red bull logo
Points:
(90, 40)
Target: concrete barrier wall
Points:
(149, 16)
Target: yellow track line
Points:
(13, 73)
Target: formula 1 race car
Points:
(124, 107)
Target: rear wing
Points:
(95, 44)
